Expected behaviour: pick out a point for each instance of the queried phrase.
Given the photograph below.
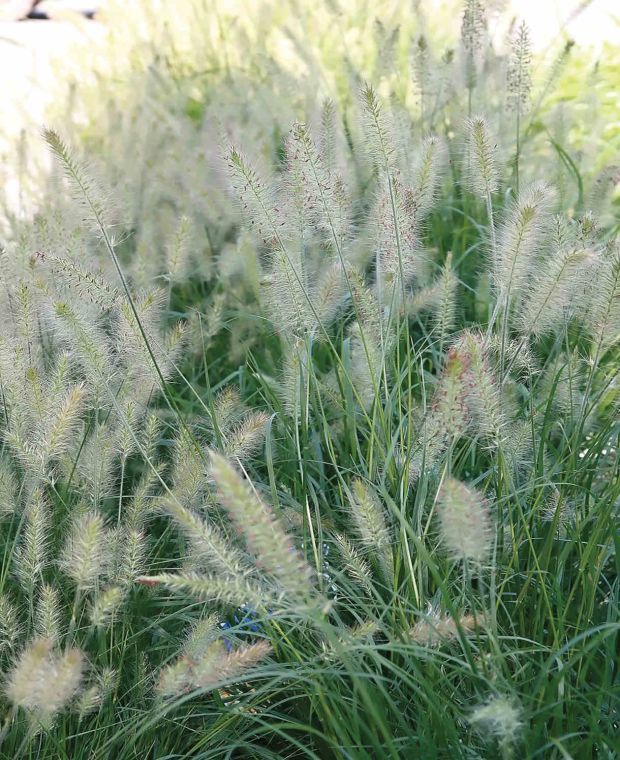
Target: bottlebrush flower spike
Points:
(465, 521)
(42, 681)
(448, 417)
(265, 538)
(215, 666)
(482, 390)
(374, 535)
(480, 160)
(245, 439)
(86, 555)
(520, 239)
(518, 76)
(473, 30)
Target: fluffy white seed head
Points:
(214, 667)
(86, 555)
(369, 518)
(499, 717)
(465, 521)
(520, 239)
(272, 548)
(44, 681)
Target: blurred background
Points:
(60, 60)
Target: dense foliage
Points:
(309, 381)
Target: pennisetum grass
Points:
(309, 446)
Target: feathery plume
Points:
(328, 295)
(486, 403)
(519, 239)
(42, 681)
(518, 78)
(602, 315)
(8, 488)
(86, 554)
(499, 717)
(64, 683)
(9, 625)
(465, 521)
(48, 613)
(288, 298)
(91, 285)
(355, 566)
(265, 538)
(448, 417)
(444, 313)
(209, 543)
(32, 553)
(368, 516)
(201, 635)
(422, 69)
(256, 196)
(379, 142)
(325, 203)
(228, 408)
(232, 591)
(105, 606)
(178, 251)
(130, 555)
(216, 665)
(398, 250)
(480, 160)
(427, 175)
(94, 696)
(245, 439)
(61, 426)
(27, 678)
(549, 301)
(87, 342)
(86, 190)
(473, 30)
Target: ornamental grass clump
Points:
(308, 401)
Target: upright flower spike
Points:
(465, 522)
(380, 142)
(473, 29)
(31, 556)
(518, 76)
(428, 175)
(483, 392)
(245, 438)
(369, 519)
(87, 552)
(448, 417)
(48, 613)
(326, 207)
(480, 161)
(209, 543)
(520, 238)
(10, 629)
